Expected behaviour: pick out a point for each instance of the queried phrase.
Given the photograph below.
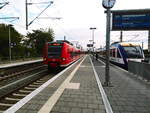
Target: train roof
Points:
(126, 43)
(61, 41)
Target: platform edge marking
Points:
(23, 101)
(47, 107)
(104, 96)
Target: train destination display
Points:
(131, 21)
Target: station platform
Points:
(128, 93)
(18, 63)
(79, 90)
(74, 91)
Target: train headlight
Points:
(63, 59)
(53, 60)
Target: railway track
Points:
(10, 71)
(16, 85)
(12, 77)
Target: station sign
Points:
(131, 20)
(89, 45)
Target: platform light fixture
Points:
(93, 28)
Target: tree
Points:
(4, 40)
(38, 38)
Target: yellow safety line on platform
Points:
(47, 107)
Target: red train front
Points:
(60, 54)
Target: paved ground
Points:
(18, 63)
(86, 99)
(128, 94)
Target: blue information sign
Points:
(131, 21)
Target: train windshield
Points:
(133, 51)
(54, 51)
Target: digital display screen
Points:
(131, 21)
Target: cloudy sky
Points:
(77, 16)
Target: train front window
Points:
(54, 51)
(133, 51)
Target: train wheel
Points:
(49, 68)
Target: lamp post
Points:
(10, 42)
(108, 4)
(93, 28)
(91, 45)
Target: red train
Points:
(60, 54)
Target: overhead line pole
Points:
(26, 6)
(107, 76)
(9, 34)
(9, 18)
(121, 36)
(40, 14)
(39, 3)
(4, 4)
(108, 4)
(49, 18)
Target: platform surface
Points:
(75, 91)
(129, 93)
(12, 64)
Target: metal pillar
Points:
(142, 45)
(26, 14)
(9, 44)
(93, 28)
(107, 76)
(121, 33)
(149, 41)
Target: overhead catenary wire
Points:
(19, 25)
(56, 24)
(3, 4)
(40, 13)
(13, 6)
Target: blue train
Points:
(122, 52)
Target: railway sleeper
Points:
(32, 85)
(14, 96)
(41, 81)
(36, 83)
(30, 88)
(21, 92)
(3, 107)
(12, 99)
(6, 104)
(18, 94)
(25, 91)
(4, 101)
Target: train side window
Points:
(118, 54)
(113, 52)
(68, 50)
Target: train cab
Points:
(122, 52)
(60, 54)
